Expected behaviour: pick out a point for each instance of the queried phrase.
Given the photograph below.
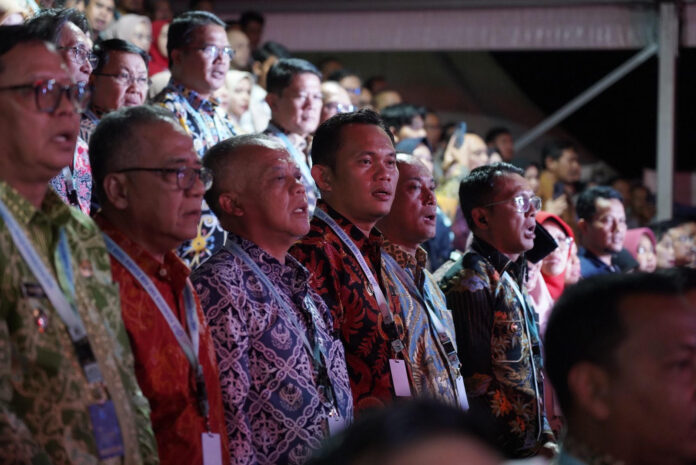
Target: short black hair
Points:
(115, 135)
(342, 73)
(555, 149)
(493, 133)
(586, 205)
(270, 49)
(284, 70)
(476, 189)
(183, 26)
(48, 24)
(327, 138)
(586, 324)
(251, 16)
(660, 228)
(401, 114)
(104, 49)
(11, 36)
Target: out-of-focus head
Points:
(385, 98)
(664, 247)
(350, 81)
(328, 66)
(573, 270)
(561, 159)
(252, 23)
(602, 220)
(158, 10)
(501, 139)
(240, 44)
(555, 263)
(120, 77)
(641, 244)
(238, 85)
(419, 148)
(294, 95)
(264, 57)
(335, 99)
(684, 252)
(531, 174)
(405, 120)
(433, 128)
(99, 14)
(136, 29)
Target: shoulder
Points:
(470, 273)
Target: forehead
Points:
(608, 206)
(508, 185)
(209, 34)
(131, 60)
(43, 64)
(568, 155)
(71, 35)
(162, 141)
(305, 81)
(409, 171)
(359, 138)
(267, 158)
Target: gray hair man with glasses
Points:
(199, 58)
(68, 31)
(151, 184)
(496, 326)
(69, 392)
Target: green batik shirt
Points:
(44, 395)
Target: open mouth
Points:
(382, 194)
(301, 210)
(529, 232)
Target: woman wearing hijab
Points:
(641, 243)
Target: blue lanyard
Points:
(208, 135)
(189, 343)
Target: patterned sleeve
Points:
(230, 335)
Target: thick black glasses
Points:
(185, 176)
(48, 93)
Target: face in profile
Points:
(606, 231)
(122, 82)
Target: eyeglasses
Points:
(80, 55)
(213, 52)
(563, 242)
(126, 79)
(522, 202)
(47, 94)
(339, 108)
(185, 176)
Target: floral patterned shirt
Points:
(271, 392)
(499, 346)
(337, 277)
(44, 395)
(164, 373)
(207, 123)
(77, 193)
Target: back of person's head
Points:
(554, 150)
(661, 228)
(250, 16)
(103, 50)
(284, 70)
(477, 188)
(493, 133)
(401, 114)
(340, 74)
(48, 24)
(586, 205)
(183, 27)
(270, 49)
(586, 324)
(115, 139)
(327, 138)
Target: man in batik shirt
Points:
(496, 326)
(410, 222)
(284, 379)
(54, 402)
(151, 185)
(199, 58)
(354, 166)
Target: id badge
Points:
(107, 433)
(212, 449)
(399, 378)
(461, 394)
(336, 422)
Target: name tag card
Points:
(461, 394)
(399, 378)
(336, 423)
(107, 433)
(212, 449)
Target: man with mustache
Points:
(602, 225)
(199, 58)
(284, 380)
(496, 326)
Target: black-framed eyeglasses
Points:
(80, 55)
(523, 203)
(185, 176)
(213, 52)
(126, 79)
(48, 92)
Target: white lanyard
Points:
(208, 135)
(397, 344)
(189, 343)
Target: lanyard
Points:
(207, 134)
(189, 343)
(67, 310)
(387, 317)
(319, 356)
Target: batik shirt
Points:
(81, 185)
(337, 277)
(88, 123)
(163, 370)
(499, 346)
(207, 123)
(270, 390)
(432, 376)
(44, 396)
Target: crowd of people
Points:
(214, 252)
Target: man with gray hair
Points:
(283, 372)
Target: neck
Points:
(276, 245)
(365, 226)
(155, 246)
(202, 93)
(603, 256)
(285, 131)
(512, 256)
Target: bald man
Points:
(280, 367)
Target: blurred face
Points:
(162, 40)
(605, 233)
(683, 245)
(141, 36)
(36, 145)
(361, 186)
(298, 107)
(353, 86)
(531, 174)
(240, 95)
(655, 369)
(99, 14)
(476, 151)
(510, 231)
(162, 11)
(433, 129)
(240, 44)
(335, 101)
(567, 167)
(74, 46)
(254, 30)
(162, 212)
(122, 82)
(424, 155)
(572, 274)
(645, 255)
(194, 69)
(411, 220)
(665, 252)
(414, 130)
(505, 146)
(555, 263)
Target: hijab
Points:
(556, 283)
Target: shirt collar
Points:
(414, 263)
(375, 239)
(583, 252)
(52, 207)
(499, 261)
(194, 98)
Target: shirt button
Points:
(162, 272)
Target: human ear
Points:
(230, 204)
(589, 387)
(323, 177)
(479, 215)
(116, 190)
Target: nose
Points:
(65, 106)
(298, 186)
(428, 196)
(197, 189)
(385, 169)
